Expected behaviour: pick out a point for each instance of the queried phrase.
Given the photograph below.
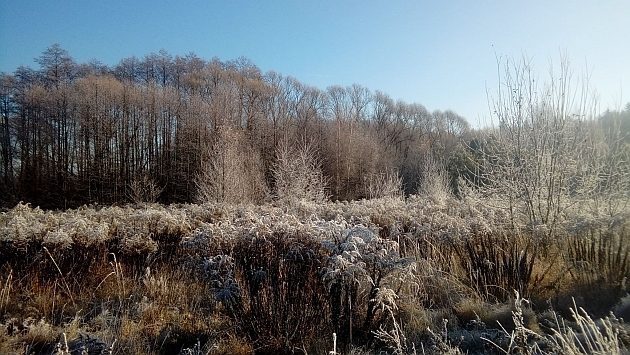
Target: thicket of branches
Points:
(75, 133)
(550, 156)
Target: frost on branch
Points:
(298, 174)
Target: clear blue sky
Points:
(438, 53)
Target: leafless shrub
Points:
(144, 189)
(275, 275)
(434, 182)
(230, 171)
(544, 160)
(298, 175)
(384, 184)
(360, 276)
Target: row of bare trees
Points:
(78, 133)
(181, 129)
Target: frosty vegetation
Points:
(381, 274)
(385, 235)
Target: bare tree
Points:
(231, 171)
(298, 174)
(386, 184)
(433, 182)
(7, 91)
(541, 159)
(144, 189)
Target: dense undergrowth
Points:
(419, 275)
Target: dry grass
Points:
(222, 279)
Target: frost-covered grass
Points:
(391, 274)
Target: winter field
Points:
(426, 274)
(508, 239)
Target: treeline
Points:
(76, 133)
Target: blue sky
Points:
(441, 54)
